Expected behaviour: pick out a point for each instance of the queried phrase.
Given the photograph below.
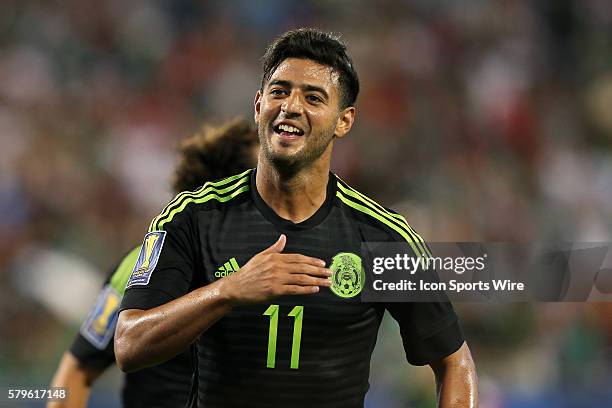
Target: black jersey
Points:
(295, 351)
(163, 386)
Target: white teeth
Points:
(288, 128)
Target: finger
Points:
(299, 290)
(306, 280)
(276, 247)
(303, 259)
(311, 270)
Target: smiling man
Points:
(239, 266)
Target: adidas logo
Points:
(227, 268)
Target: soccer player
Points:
(210, 154)
(240, 264)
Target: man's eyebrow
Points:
(313, 88)
(307, 88)
(280, 82)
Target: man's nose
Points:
(292, 105)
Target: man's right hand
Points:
(271, 273)
(147, 337)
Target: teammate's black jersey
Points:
(295, 351)
(163, 386)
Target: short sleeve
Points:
(430, 330)
(93, 345)
(164, 269)
(90, 356)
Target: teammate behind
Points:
(279, 332)
(212, 153)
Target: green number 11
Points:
(297, 313)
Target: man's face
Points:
(298, 113)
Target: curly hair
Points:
(215, 152)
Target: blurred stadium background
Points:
(479, 120)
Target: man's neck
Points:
(296, 197)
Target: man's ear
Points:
(345, 121)
(257, 105)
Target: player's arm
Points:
(76, 378)
(456, 379)
(148, 337)
(92, 349)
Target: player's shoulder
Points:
(212, 195)
(124, 269)
(390, 223)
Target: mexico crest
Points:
(348, 275)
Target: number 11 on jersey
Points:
(298, 313)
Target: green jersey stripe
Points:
(374, 203)
(423, 243)
(399, 217)
(198, 200)
(202, 190)
(374, 206)
(208, 186)
(380, 218)
(124, 270)
(404, 221)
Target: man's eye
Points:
(314, 98)
(277, 92)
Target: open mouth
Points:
(288, 130)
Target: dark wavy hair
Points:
(319, 46)
(215, 152)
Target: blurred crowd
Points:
(479, 120)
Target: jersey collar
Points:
(284, 224)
